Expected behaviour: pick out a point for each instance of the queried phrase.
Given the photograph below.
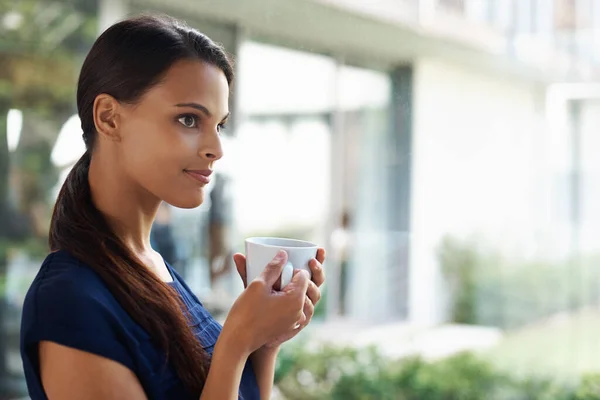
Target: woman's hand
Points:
(261, 314)
(312, 296)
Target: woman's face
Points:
(170, 138)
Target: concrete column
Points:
(337, 201)
(400, 186)
(233, 41)
(575, 179)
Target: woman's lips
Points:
(202, 176)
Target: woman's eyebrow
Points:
(201, 108)
(197, 106)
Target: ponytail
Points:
(78, 227)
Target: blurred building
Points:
(419, 118)
(422, 118)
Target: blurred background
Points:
(444, 152)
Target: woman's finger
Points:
(313, 293)
(318, 273)
(321, 255)
(309, 311)
(240, 264)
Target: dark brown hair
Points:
(126, 61)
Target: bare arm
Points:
(263, 363)
(71, 374)
(226, 369)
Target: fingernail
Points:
(280, 255)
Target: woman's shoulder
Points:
(67, 288)
(69, 304)
(64, 275)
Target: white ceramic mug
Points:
(260, 251)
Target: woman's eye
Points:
(189, 121)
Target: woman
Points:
(106, 317)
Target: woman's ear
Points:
(106, 117)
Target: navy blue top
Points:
(69, 304)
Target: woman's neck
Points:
(129, 209)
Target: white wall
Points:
(475, 162)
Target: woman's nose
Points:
(211, 150)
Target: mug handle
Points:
(286, 274)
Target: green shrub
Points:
(589, 388)
(487, 289)
(350, 374)
(460, 265)
(305, 375)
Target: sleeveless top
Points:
(69, 304)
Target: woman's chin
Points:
(187, 201)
